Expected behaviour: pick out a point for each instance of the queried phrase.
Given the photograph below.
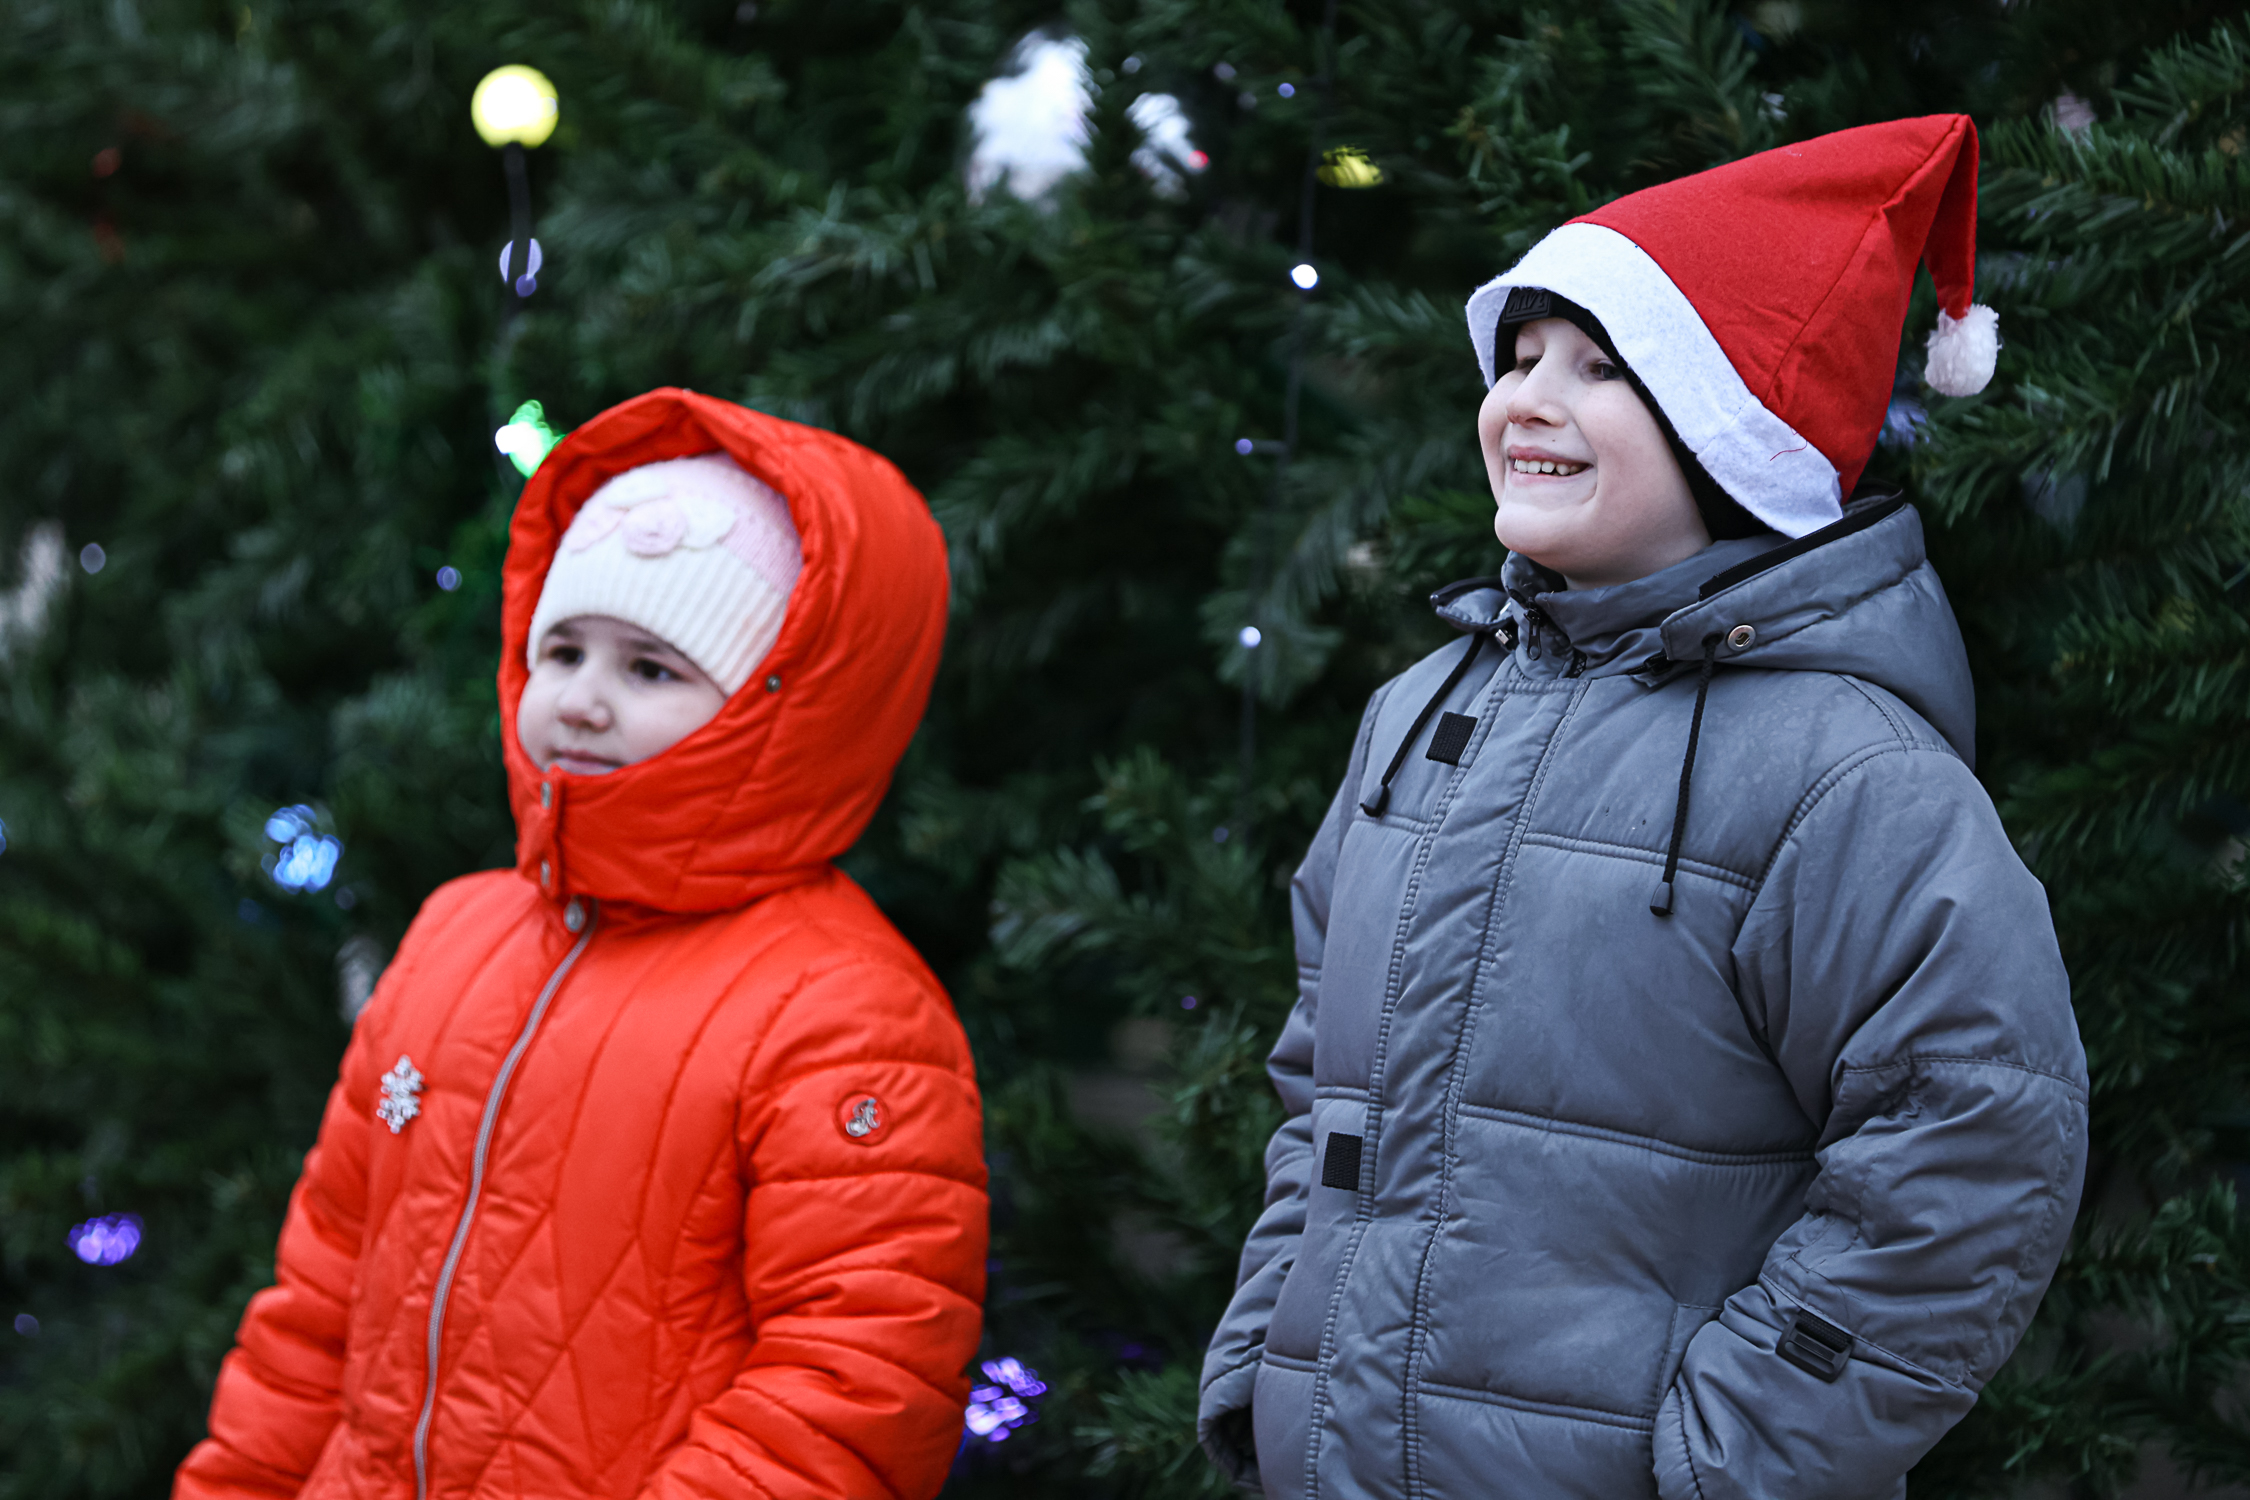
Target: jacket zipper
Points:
(476, 1187)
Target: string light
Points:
(1004, 1402)
(515, 109)
(1251, 637)
(534, 260)
(1305, 276)
(527, 439)
(107, 1240)
(515, 106)
(306, 860)
(1349, 167)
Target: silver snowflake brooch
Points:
(402, 1086)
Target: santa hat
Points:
(696, 551)
(1761, 302)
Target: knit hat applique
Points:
(697, 551)
(1762, 302)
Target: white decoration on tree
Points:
(1030, 122)
(1963, 351)
(1031, 127)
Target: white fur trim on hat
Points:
(696, 551)
(1964, 351)
(1759, 459)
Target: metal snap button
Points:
(773, 684)
(574, 915)
(546, 875)
(1741, 637)
(546, 794)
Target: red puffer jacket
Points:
(655, 1165)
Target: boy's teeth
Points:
(1545, 466)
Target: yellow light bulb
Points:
(514, 105)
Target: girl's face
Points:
(1585, 483)
(604, 694)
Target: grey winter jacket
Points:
(1742, 1202)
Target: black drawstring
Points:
(1453, 678)
(1660, 900)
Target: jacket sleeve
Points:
(1230, 1366)
(863, 1257)
(279, 1392)
(1902, 964)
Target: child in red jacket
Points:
(655, 1165)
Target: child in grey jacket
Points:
(1683, 1097)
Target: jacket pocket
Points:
(1281, 1419)
(1687, 1321)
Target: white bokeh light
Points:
(1305, 276)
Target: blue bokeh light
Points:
(306, 859)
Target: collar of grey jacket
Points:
(1858, 597)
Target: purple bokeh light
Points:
(107, 1240)
(1005, 1403)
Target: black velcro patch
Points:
(1813, 1344)
(1339, 1168)
(1452, 737)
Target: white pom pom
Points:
(1963, 351)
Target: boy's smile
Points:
(604, 694)
(1582, 476)
(1527, 463)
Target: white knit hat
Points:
(693, 550)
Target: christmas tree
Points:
(2097, 539)
(1048, 263)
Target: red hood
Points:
(785, 777)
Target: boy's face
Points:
(1615, 505)
(605, 694)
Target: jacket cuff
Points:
(1222, 1425)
